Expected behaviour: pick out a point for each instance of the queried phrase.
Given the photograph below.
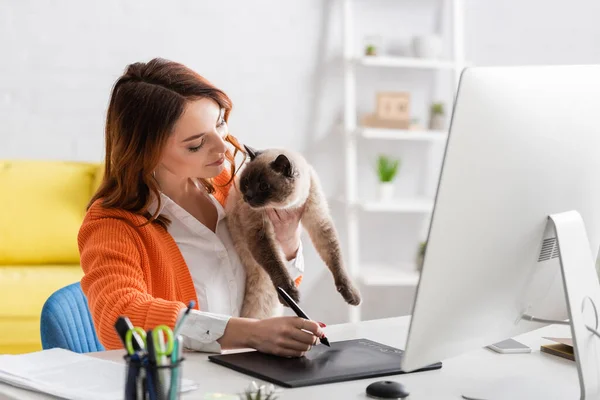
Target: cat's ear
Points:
(282, 165)
(252, 152)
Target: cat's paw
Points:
(291, 289)
(349, 293)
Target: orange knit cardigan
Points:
(137, 272)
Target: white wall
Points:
(280, 63)
(60, 59)
(513, 32)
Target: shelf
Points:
(400, 205)
(404, 62)
(389, 275)
(402, 134)
(406, 205)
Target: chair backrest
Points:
(66, 322)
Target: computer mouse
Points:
(387, 390)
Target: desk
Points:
(457, 374)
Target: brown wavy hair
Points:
(145, 103)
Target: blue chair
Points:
(66, 322)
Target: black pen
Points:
(290, 302)
(155, 385)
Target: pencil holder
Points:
(163, 380)
(147, 381)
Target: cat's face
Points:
(268, 180)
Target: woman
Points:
(154, 236)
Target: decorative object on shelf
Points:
(372, 45)
(392, 111)
(254, 392)
(421, 255)
(437, 119)
(427, 46)
(387, 168)
(415, 124)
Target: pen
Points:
(183, 317)
(290, 302)
(152, 379)
(131, 384)
(175, 358)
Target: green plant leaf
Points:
(422, 248)
(387, 168)
(437, 108)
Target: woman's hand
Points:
(286, 224)
(284, 336)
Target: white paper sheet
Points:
(68, 375)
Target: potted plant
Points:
(387, 168)
(371, 50)
(438, 120)
(421, 255)
(254, 392)
(372, 45)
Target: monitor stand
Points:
(582, 293)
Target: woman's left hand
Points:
(286, 224)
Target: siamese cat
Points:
(279, 179)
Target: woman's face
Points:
(196, 148)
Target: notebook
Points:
(68, 375)
(562, 348)
(343, 361)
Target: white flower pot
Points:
(437, 122)
(427, 46)
(386, 191)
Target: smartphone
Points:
(509, 346)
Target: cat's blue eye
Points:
(263, 186)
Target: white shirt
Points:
(217, 272)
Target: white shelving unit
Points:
(405, 205)
(400, 274)
(404, 62)
(408, 205)
(400, 134)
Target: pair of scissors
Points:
(162, 340)
(141, 338)
(162, 343)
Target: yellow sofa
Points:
(42, 204)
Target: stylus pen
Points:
(183, 317)
(290, 302)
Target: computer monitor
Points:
(524, 144)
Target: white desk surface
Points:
(457, 373)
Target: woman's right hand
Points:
(285, 336)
